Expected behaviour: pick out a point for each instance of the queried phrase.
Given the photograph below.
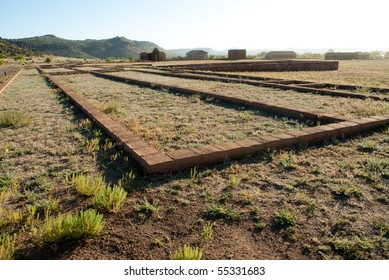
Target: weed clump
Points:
(109, 198)
(187, 253)
(87, 185)
(7, 246)
(284, 219)
(14, 118)
(72, 227)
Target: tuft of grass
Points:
(208, 232)
(72, 227)
(284, 219)
(346, 192)
(234, 181)
(287, 161)
(367, 146)
(125, 181)
(193, 173)
(380, 167)
(382, 227)
(92, 145)
(87, 185)
(7, 246)
(147, 208)
(109, 198)
(112, 108)
(217, 211)
(356, 249)
(187, 253)
(14, 118)
(259, 226)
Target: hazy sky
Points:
(219, 24)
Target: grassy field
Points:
(159, 117)
(328, 201)
(323, 104)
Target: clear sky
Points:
(219, 24)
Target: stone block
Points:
(185, 158)
(156, 164)
(210, 154)
(251, 146)
(232, 150)
(269, 141)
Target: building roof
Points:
(197, 52)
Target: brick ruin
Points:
(346, 55)
(281, 55)
(236, 54)
(197, 55)
(155, 55)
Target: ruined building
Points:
(346, 55)
(236, 54)
(156, 55)
(197, 55)
(281, 55)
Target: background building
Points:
(346, 55)
(156, 55)
(281, 55)
(236, 54)
(197, 55)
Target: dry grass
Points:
(323, 104)
(355, 72)
(172, 121)
(337, 192)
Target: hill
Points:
(9, 49)
(120, 47)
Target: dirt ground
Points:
(328, 201)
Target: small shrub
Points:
(48, 60)
(88, 185)
(14, 118)
(284, 219)
(187, 253)
(7, 246)
(109, 198)
(72, 227)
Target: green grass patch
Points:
(146, 208)
(284, 219)
(109, 198)
(187, 253)
(72, 227)
(7, 246)
(217, 211)
(87, 185)
(14, 118)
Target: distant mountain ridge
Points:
(119, 47)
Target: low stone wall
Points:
(268, 66)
